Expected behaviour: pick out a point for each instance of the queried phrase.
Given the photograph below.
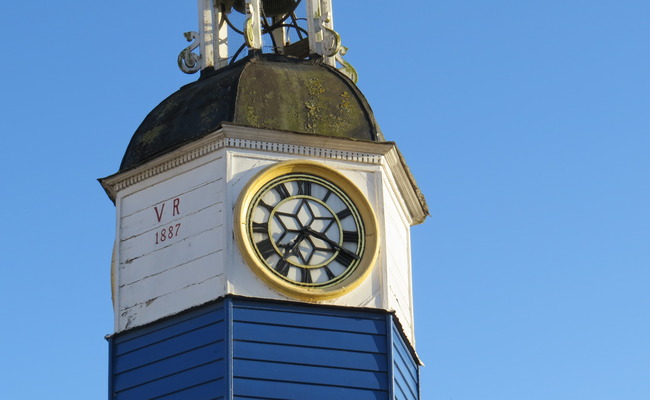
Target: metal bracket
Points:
(331, 44)
(252, 28)
(188, 61)
(347, 69)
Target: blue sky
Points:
(525, 123)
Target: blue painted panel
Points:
(168, 348)
(181, 357)
(405, 369)
(167, 328)
(300, 355)
(307, 308)
(277, 350)
(250, 388)
(200, 376)
(404, 380)
(290, 351)
(311, 374)
(369, 324)
(171, 365)
(206, 391)
(310, 337)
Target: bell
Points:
(272, 8)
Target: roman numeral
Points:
(327, 196)
(263, 204)
(266, 248)
(330, 274)
(344, 258)
(263, 227)
(282, 191)
(306, 275)
(304, 188)
(282, 267)
(344, 213)
(351, 236)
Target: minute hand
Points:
(332, 243)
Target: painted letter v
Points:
(159, 215)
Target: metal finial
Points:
(272, 25)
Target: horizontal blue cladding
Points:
(310, 337)
(370, 324)
(299, 355)
(311, 375)
(171, 365)
(405, 369)
(182, 357)
(205, 391)
(204, 375)
(269, 390)
(302, 352)
(166, 329)
(263, 350)
(175, 345)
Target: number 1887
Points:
(167, 233)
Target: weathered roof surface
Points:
(265, 91)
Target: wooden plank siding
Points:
(181, 357)
(244, 349)
(406, 372)
(306, 352)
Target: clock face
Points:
(305, 234)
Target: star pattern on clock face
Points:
(295, 226)
(306, 231)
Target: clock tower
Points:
(262, 241)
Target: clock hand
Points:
(290, 248)
(332, 243)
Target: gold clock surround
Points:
(244, 231)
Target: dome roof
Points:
(264, 91)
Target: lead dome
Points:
(264, 91)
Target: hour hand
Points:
(291, 247)
(332, 243)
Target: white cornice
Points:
(316, 146)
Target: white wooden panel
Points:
(159, 275)
(180, 253)
(398, 259)
(170, 304)
(171, 280)
(143, 247)
(169, 210)
(203, 262)
(170, 184)
(243, 165)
